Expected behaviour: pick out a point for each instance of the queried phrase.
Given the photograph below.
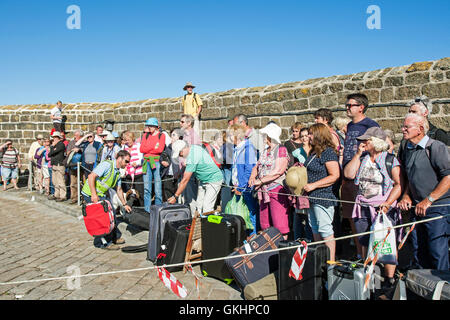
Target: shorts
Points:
(45, 172)
(321, 220)
(10, 173)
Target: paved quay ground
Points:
(42, 239)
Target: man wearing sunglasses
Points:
(423, 107)
(104, 177)
(356, 106)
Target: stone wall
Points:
(388, 91)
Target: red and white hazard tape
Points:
(172, 283)
(298, 262)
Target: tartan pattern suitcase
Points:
(98, 218)
(221, 234)
(173, 246)
(312, 285)
(159, 215)
(249, 269)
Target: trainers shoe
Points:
(51, 197)
(119, 241)
(73, 201)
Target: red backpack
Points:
(98, 218)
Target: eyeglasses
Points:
(181, 121)
(348, 105)
(127, 161)
(90, 137)
(407, 127)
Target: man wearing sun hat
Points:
(31, 152)
(57, 156)
(192, 104)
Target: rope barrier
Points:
(220, 258)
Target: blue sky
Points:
(140, 49)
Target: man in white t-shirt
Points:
(56, 116)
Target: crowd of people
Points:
(349, 159)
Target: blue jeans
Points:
(152, 175)
(51, 187)
(253, 208)
(225, 192)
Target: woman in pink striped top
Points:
(134, 177)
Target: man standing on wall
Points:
(356, 106)
(56, 116)
(192, 105)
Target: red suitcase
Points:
(99, 218)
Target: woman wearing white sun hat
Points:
(267, 178)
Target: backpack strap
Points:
(389, 162)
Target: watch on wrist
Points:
(431, 199)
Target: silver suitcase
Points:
(346, 282)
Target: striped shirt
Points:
(10, 158)
(136, 156)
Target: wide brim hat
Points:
(296, 179)
(373, 132)
(272, 131)
(177, 146)
(56, 134)
(109, 137)
(104, 133)
(188, 84)
(40, 136)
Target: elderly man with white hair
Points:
(426, 163)
(423, 107)
(198, 162)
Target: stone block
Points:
(443, 64)
(397, 111)
(336, 87)
(419, 66)
(295, 105)
(302, 93)
(375, 83)
(406, 93)
(387, 95)
(376, 112)
(325, 101)
(396, 81)
(437, 77)
(437, 90)
(417, 78)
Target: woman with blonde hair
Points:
(323, 172)
(378, 186)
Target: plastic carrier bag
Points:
(239, 208)
(382, 243)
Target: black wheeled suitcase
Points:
(251, 268)
(314, 274)
(221, 234)
(140, 218)
(173, 246)
(159, 215)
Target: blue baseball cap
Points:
(152, 122)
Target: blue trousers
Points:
(152, 176)
(430, 240)
(253, 207)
